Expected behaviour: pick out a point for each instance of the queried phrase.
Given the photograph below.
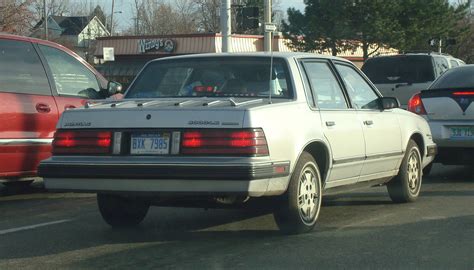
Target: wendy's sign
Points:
(155, 45)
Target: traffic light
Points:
(248, 18)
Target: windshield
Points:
(212, 77)
(461, 77)
(399, 69)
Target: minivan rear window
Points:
(400, 69)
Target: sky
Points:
(125, 7)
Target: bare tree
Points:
(208, 15)
(15, 16)
(53, 8)
(159, 17)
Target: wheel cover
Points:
(414, 172)
(308, 195)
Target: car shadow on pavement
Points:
(450, 174)
(423, 244)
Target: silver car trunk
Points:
(448, 105)
(161, 113)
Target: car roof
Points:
(33, 40)
(286, 55)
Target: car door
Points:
(383, 145)
(74, 83)
(340, 123)
(28, 113)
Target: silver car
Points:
(448, 107)
(221, 129)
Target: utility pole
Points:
(267, 15)
(226, 26)
(45, 16)
(112, 19)
(440, 45)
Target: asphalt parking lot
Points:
(360, 230)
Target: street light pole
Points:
(267, 36)
(45, 18)
(226, 26)
(112, 19)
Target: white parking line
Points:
(24, 228)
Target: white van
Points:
(404, 75)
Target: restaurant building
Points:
(132, 52)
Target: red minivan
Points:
(38, 81)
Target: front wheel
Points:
(300, 206)
(406, 186)
(119, 211)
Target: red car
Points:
(38, 81)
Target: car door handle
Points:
(43, 108)
(368, 122)
(67, 107)
(330, 123)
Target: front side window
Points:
(360, 92)
(212, 77)
(325, 86)
(21, 70)
(71, 77)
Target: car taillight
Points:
(224, 142)
(415, 104)
(464, 93)
(82, 142)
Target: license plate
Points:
(462, 132)
(150, 144)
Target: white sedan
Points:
(223, 128)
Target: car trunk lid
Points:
(449, 104)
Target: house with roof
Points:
(75, 32)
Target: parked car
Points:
(447, 106)
(217, 127)
(38, 81)
(404, 75)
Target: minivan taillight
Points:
(82, 142)
(415, 104)
(244, 142)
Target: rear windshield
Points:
(399, 69)
(461, 77)
(212, 77)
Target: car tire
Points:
(299, 207)
(119, 211)
(406, 186)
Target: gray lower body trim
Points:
(350, 160)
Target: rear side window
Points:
(325, 86)
(21, 70)
(400, 69)
(71, 77)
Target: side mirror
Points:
(114, 88)
(388, 103)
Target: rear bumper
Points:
(253, 179)
(165, 171)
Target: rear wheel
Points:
(301, 204)
(405, 187)
(119, 211)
